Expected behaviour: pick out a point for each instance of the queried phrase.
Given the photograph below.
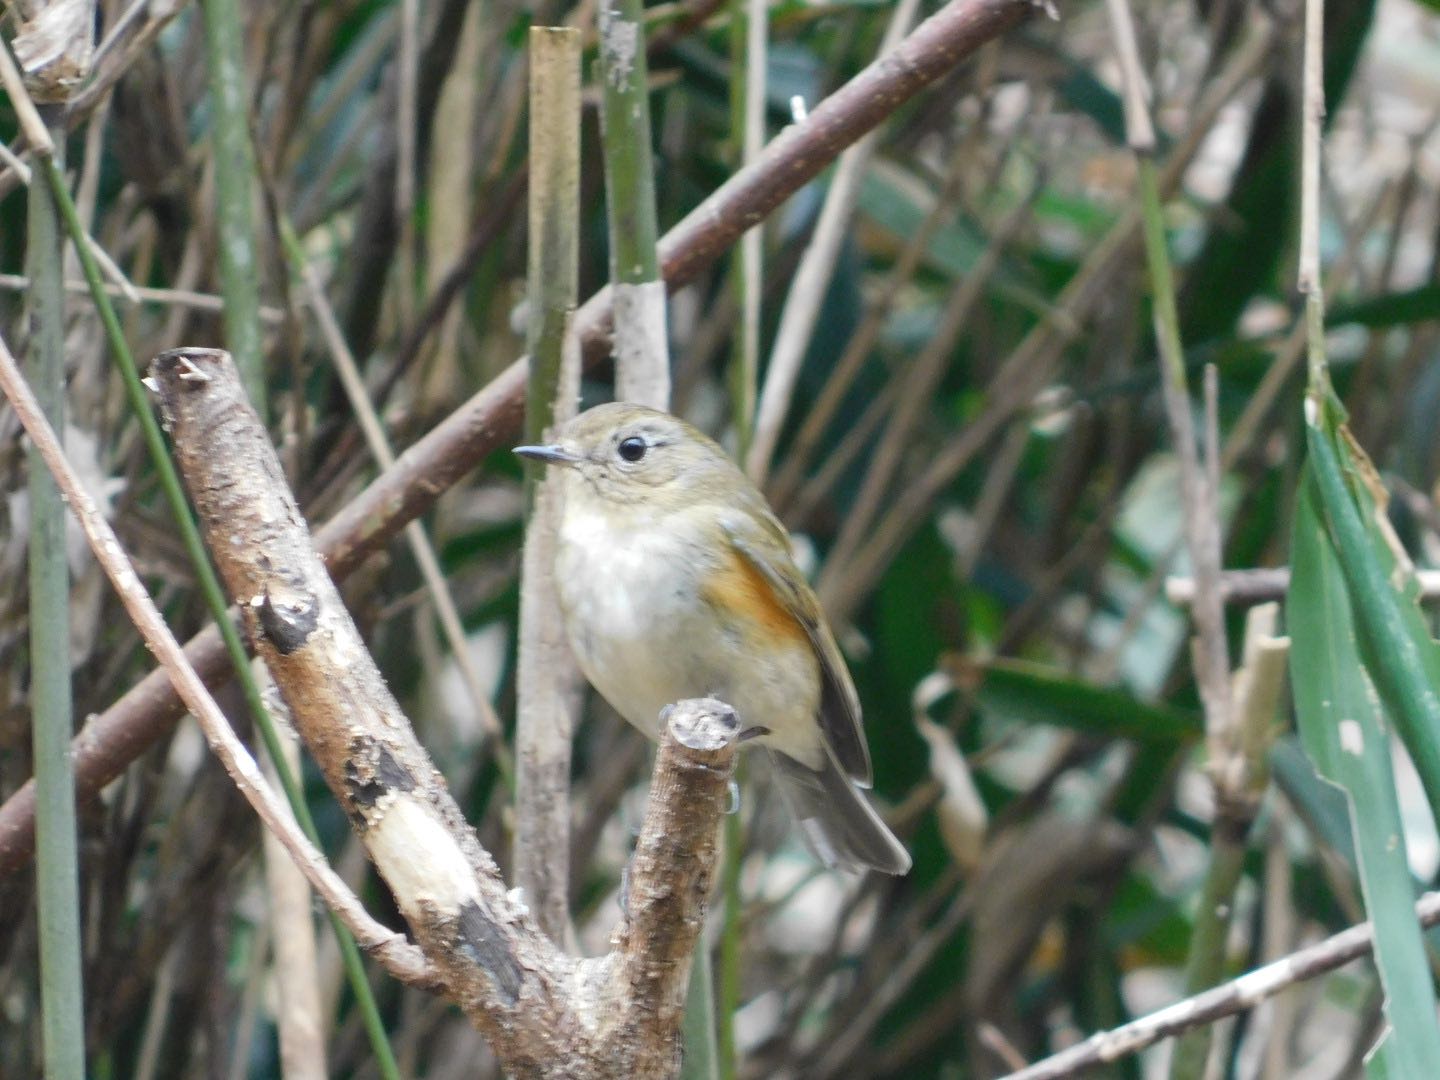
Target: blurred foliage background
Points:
(985, 489)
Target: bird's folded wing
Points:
(762, 542)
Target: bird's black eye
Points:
(633, 448)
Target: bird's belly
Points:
(645, 637)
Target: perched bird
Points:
(676, 581)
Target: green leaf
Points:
(1392, 633)
(1381, 1063)
(1390, 309)
(1342, 724)
(1317, 801)
(1034, 694)
(897, 202)
(701, 1060)
(1081, 90)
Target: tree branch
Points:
(545, 1013)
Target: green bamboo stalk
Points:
(747, 135)
(57, 878)
(210, 587)
(1205, 958)
(642, 359)
(697, 1028)
(234, 173)
(730, 958)
(1231, 771)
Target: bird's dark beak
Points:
(550, 455)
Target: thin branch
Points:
(749, 64)
(812, 278)
(1224, 1000)
(749, 47)
(298, 1017)
(1244, 587)
(1313, 118)
(143, 294)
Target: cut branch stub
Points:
(670, 878)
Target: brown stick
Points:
(544, 1013)
(115, 738)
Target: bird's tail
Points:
(839, 824)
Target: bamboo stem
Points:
(547, 683)
(52, 707)
(234, 173)
(642, 355)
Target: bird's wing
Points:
(762, 542)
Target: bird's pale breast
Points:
(660, 610)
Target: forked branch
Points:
(545, 1013)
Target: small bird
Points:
(676, 581)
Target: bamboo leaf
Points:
(1343, 725)
(1039, 695)
(1392, 634)
(1389, 309)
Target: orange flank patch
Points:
(741, 589)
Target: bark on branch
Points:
(545, 1013)
(490, 418)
